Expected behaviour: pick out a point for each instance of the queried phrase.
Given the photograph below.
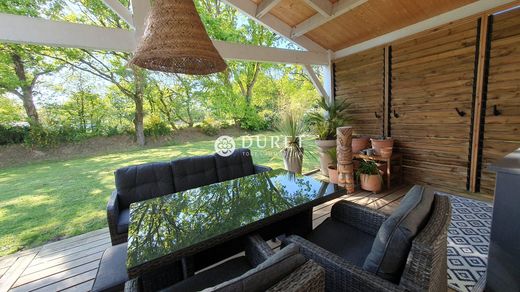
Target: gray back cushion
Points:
(391, 246)
(193, 172)
(141, 182)
(238, 164)
(266, 274)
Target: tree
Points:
(10, 111)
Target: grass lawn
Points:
(47, 201)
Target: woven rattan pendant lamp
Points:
(175, 41)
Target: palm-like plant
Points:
(330, 116)
(292, 127)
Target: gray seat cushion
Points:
(123, 220)
(389, 252)
(141, 182)
(112, 275)
(266, 274)
(343, 240)
(238, 164)
(214, 276)
(193, 172)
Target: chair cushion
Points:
(238, 164)
(193, 172)
(266, 274)
(123, 220)
(343, 240)
(223, 272)
(141, 182)
(112, 275)
(389, 252)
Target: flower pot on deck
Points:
(325, 160)
(333, 174)
(377, 144)
(292, 163)
(360, 143)
(371, 182)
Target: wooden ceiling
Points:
(366, 21)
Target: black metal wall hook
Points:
(496, 112)
(377, 115)
(396, 115)
(461, 113)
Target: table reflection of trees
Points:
(162, 225)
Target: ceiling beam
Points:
(274, 24)
(38, 31)
(315, 81)
(339, 8)
(140, 9)
(121, 11)
(21, 29)
(236, 51)
(265, 6)
(474, 8)
(324, 7)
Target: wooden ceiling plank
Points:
(339, 8)
(324, 7)
(265, 6)
(274, 24)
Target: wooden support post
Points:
(479, 102)
(387, 92)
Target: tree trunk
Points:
(27, 91)
(138, 100)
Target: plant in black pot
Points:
(369, 176)
(323, 122)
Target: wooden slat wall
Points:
(502, 132)
(433, 75)
(360, 80)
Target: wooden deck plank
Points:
(46, 251)
(74, 283)
(72, 257)
(71, 251)
(59, 277)
(77, 238)
(85, 286)
(31, 269)
(12, 274)
(30, 277)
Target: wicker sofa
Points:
(141, 182)
(343, 243)
(259, 270)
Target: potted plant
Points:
(292, 127)
(360, 143)
(377, 144)
(333, 166)
(330, 115)
(369, 176)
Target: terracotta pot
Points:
(371, 182)
(377, 144)
(386, 152)
(325, 160)
(360, 143)
(333, 174)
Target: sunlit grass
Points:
(47, 201)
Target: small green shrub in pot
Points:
(291, 127)
(369, 176)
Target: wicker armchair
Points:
(305, 276)
(426, 264)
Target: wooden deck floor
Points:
(71, 264)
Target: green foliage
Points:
(292, 127)
(330, 116)
(333, 153)
(210, 126)
(10, 111)
(12, 134)
(368, 167)
(154, 126)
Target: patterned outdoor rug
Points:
(468, 242)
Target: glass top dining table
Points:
(167, 228)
